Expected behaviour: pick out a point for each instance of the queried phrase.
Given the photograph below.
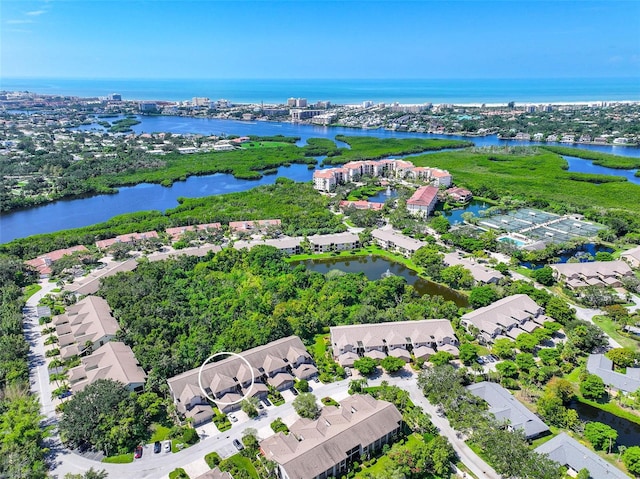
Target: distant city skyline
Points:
(312, 39)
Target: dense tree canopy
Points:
(176, 313)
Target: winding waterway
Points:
(79, 212)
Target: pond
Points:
(455, 215)
(374, 267)
(584, 253)
(628, 432)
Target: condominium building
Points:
(44, 262)
(127, 238)
(113, 360)
(276, 364)
(505, 407)
(395, 241)
(423, 201)
(596, 273)
(177, 232)
(86, 325)
(328, 179)
(568, 452)
(328, 446)
(400, 339)
(506, 318)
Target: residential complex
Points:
(115, 361)
(507, 408)
(128, 238)
(568, 452)
(400, 339)
(86, 325)
(423, 201)
(602, 366)
(632, 256)
(43, 262)
(176, 233)
(596, 273)
(508, 317)
(480, 273)
(328, 446)
(276, 364)
(255, 226)
(395, 241)
(327, 180)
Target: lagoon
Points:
(374, 267)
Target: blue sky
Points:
(318, 39)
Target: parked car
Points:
(260, 406)
(316, 379)
(480, 360)
(347, 371)
(137, 454)
(238, 445)
(494, 357)
(266, 402)
(167, 446)
(294, 391)
(157, 447)
(232, 418)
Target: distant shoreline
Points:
(461, 92)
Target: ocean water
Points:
(343, 91)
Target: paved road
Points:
(153, 466)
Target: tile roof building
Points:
(398, 338)
(602, 366)
(128, 238)
(507, 408)
(177, 232)
(361, 205)
(395, 241)
(480, 273)
(113, 360)
(215, 473)
(328, 179)
(253, 226)
(568, 452)
(632, 256)
(507, 317)
(87, 323)
(329, 445)
(461, 195)
(286, 244)
(595, 273)
(423, 201)
(334, 242)
(276, 364)
(43, 262)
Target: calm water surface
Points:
(628, 432)
(67, 214)
(374, 267)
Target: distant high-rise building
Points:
(291, 102)
(367, 104)
(115, 97)
(200, 101)
(301, 102)
(147, 106)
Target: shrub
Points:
(212, 459)
(190, 436)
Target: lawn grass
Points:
(381, 464)
(608, 326)
(160, 433)
(31, 290)
(240, 462)
(120, 459)
(320, 345)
